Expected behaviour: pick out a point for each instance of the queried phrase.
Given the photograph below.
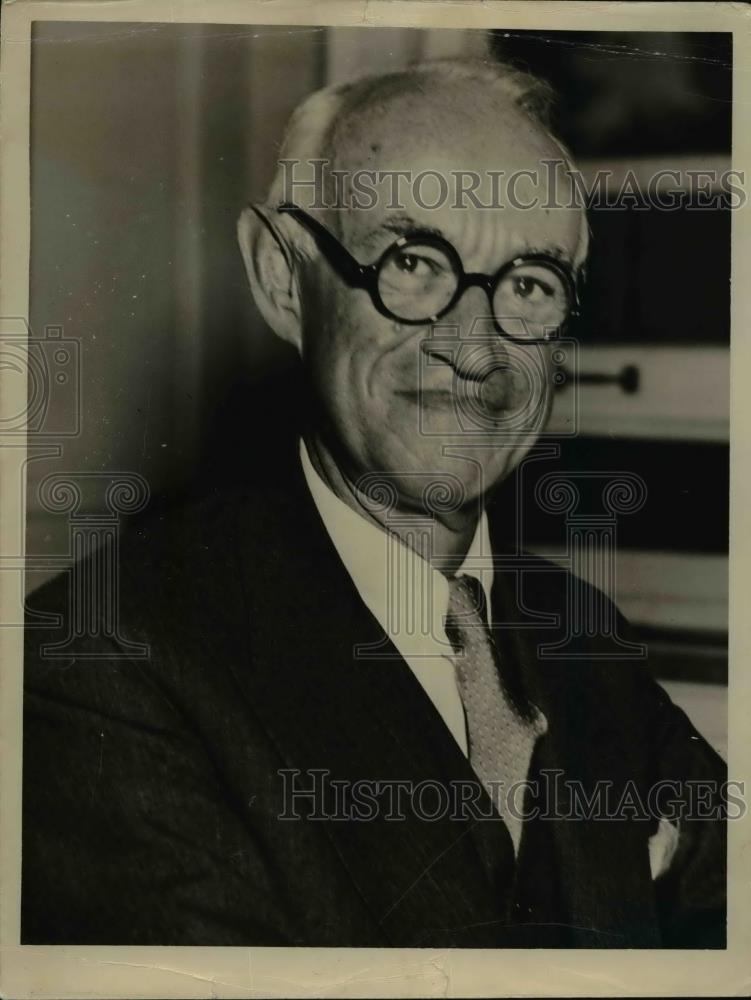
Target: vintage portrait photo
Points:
(372, 584)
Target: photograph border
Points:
(128, 971)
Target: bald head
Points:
(446, 118)
(458, 103)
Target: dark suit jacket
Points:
(152, 787)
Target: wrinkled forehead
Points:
(436, 156)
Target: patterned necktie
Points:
(501, 735)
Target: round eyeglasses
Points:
(419, 278)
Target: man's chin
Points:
(437, 479)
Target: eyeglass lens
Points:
(417, 281)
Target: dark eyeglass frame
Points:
(365, 276)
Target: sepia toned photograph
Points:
(373, 574)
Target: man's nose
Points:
(471, 313)
(477, 350)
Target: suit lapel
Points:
(362, 720)
(598, 869)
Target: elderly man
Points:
(346, 732)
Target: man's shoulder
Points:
(548, 581)
(148, 548)
(133, 624)
(189, 538)
(571, 629)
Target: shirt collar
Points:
(401, 589)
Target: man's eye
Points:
(531, 289)
(411, 263)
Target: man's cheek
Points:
(531, 379)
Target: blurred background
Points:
(148, 139)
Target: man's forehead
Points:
(484, 232)
(436, 127)
(428, 148)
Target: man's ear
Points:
(269, 265)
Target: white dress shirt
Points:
(403, 592)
